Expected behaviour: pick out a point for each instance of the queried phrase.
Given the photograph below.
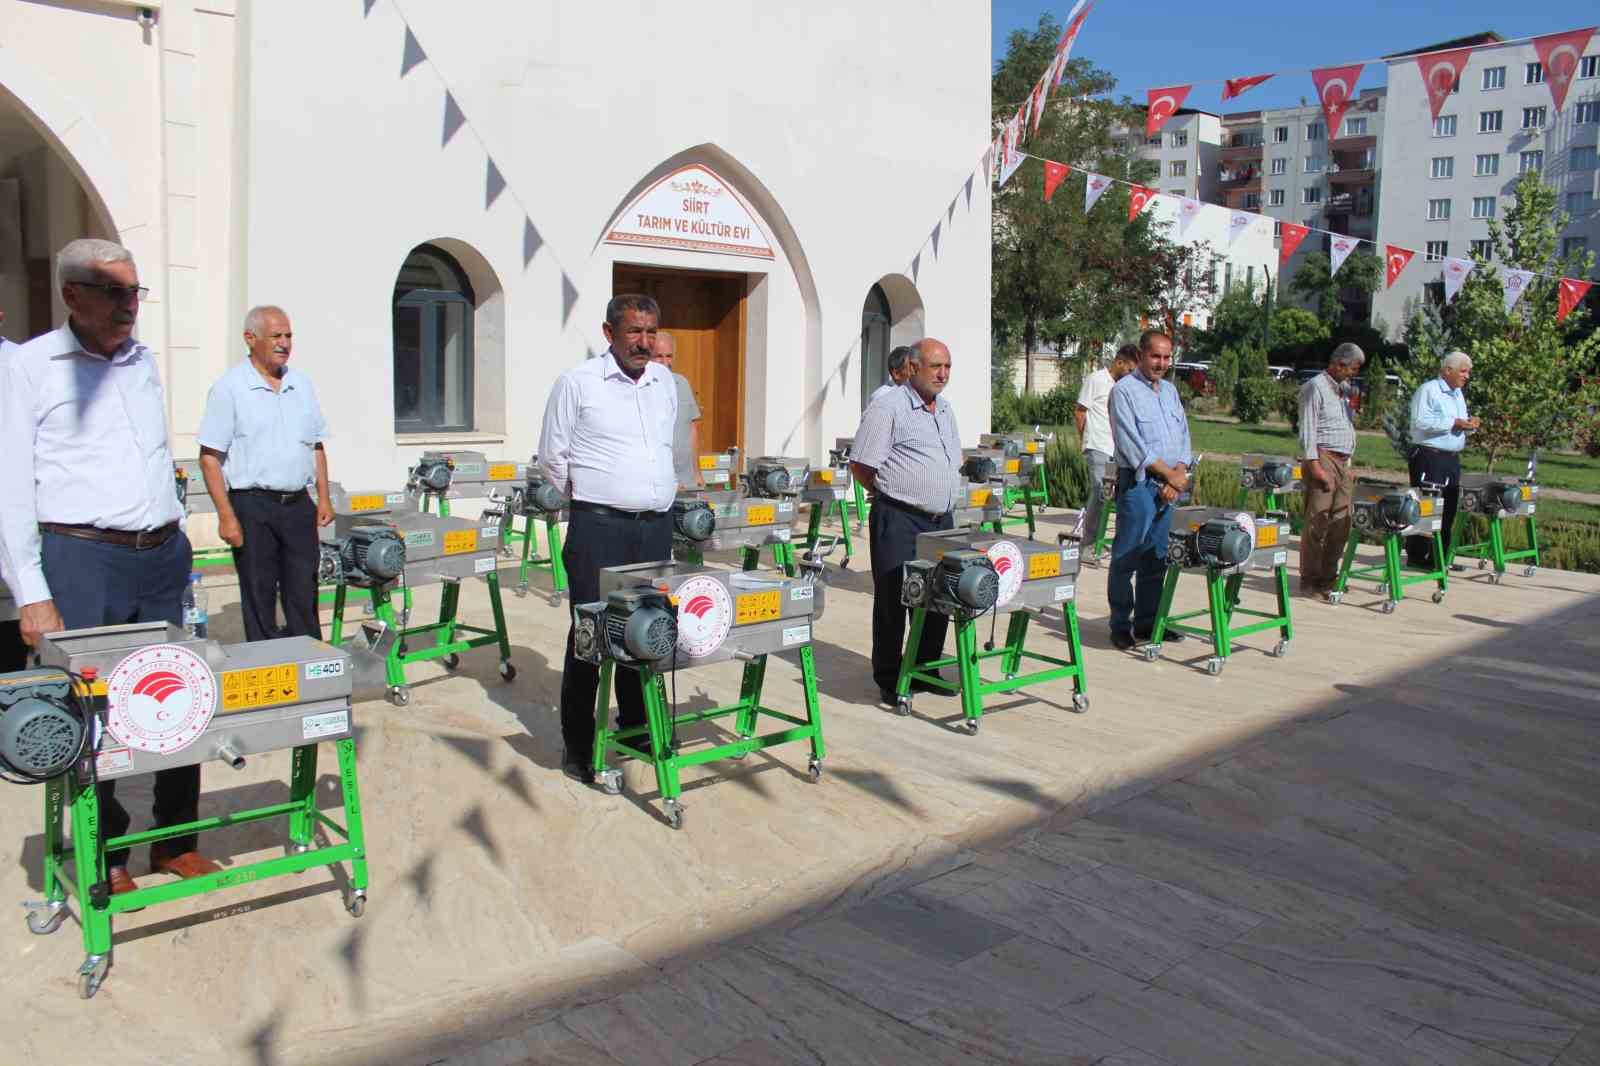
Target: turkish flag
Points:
(1054, 173)
(1139, 197)
(1336, 87)
(1560, 52)
(1440, 72)
(1570, 292)
(1293, 233)
(1163, 104)
(1397, 259)
(1234, 86)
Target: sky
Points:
(1160, 42)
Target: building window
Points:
(1534, 74)
(1178, 169)
(1533, 160)
(1444, 166)
(1574, 246)
(1313, 164)
(1277, 230)
(1275, 197)
(1438, 210)
(1589, 67)
(1437, 250)
(1488, 165)
(1494, 78)
(433, 333)
(1533, 118)
(1444, 126)
(1280, 135)
(1584, 157)
(1355, 127)
(1580, 203)
(1313, 131)
(1312, 195)
(1252, 201)
(1153, 142)
(1483, 249)
(1491, 121)
(1587, 113)
(1180, 139)
(1483, 207)
(1176, 192)
(1280, 165)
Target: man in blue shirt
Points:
(1439, 428)
(1151, 436)
(260, 448)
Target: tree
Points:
(1235, 321)
(1360, 272)
(1294, 326)
(1180, 281)
(1084, 274)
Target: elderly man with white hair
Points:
(1439, 428)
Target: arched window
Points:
(433, 350)
(874, 342)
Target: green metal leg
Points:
(814, 527)
(1217, 597)
(808, 679)
(861, 503)
(1027, 502)
(1107, 509)
(449, 604)
(908, 658)
(1168, 588)
(602, 715)
(783, 556)
(755, 673)
(383, 610)
(89, 862)
(558, 566)
(493, 579)
(444, 507)
(1438, 560)
(55, 791)
(1533, 538)
(1016, 636)
(303, 793)
(1234, 584)
(1343, 579)
(530, 543)
(1281, 581)
(660, 718)
(1041, 482)
(336, 629)
(1392, 565)
(844, 530)
(751, 558)
(355, 829)
(1075, 645)
(967, 669)
(1497, 544)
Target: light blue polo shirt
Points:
(270, 436)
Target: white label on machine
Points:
(324, 725)
(420, 538)
(490, 532)
(785, 506)
(161, 698)
(781, 534)
(796, 635)
(1435, 523)
(395, 497)
(1063, 592)
(1068, 554)
(324, 668)
(483, 565)
(113, 761)
(1530, 508)
(1280, 558)
(801, 592)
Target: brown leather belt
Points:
(138, 540)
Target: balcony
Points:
(1240, 153)
(1351, 176)
(1366, 142)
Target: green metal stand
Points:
(1040, 493)
(1222, 604)
(451, 637)
(531, 559)
(444, 504)
(782, 556)
(656, 742)
(969, 683)
(1272, 502)
(820, 511)
(1391, 574)
(1493, 551)
(859, 493)
(92, 894)
(206, 558)
(1015, 494)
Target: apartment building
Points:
(1184, 151)
(1444, 179)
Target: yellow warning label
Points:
(757, 607)
(1295, 473)
(1266, 536)
(709, 462)
(264, 686)
(1527, 492)
(502, 471)
(1426, 508)
(459, 541)
(1013, 465)
(1033, 447)
(373, 502)
(978, 498)
(825, 476)
(763, 514)
(1044, 565)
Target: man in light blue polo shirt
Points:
(1439, 428)
(1151, 436)
(261, 445)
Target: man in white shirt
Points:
(1094, 430)
(91, 529)
(607, 442)
(5, 345)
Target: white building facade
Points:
(444, 200)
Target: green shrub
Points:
(1254, 398)
(1186, 395)
(1057, 406)
(1380, 397)
(1067, 470)
(1003, 411)
(1288, 403)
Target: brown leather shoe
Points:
(121, 881)
(189, 864)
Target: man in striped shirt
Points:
(1327, 441)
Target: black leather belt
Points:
(906, 507)
(138, 540)
(615, 512)
(293, 496)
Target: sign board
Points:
(694, 210)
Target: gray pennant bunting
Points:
(531, 241)
(413, 55)
(969, 184)
(366, 7)
(569, 297)
(916, 265)
(453, 118)
(937, 226)
(493, 185)
(950, 212)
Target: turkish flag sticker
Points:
(1560, 52)
(1164, 103)
(1336, 87)
(1397, 259)
(1440, 73)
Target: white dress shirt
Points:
(269, 435)
(1094, 397)
(85, 443)
(607, 439)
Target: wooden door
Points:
(704, 312)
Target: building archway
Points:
(448, 329)
(892, 315)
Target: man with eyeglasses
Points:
(90, 528)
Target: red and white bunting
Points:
(1290, 236)
(1440, 73)
(1455, 275)
(1054, 173)
(1560, 52)
(1026, 111)
(1163, 104)
(1339, 250)
(1336, 87)
(1188, 210)
(1234, 86)
(1570, 293)
(1139, 197)
(1010, 157)
(1396, 260)
(1516, 283)
(1093, 189)
(1238, 222)
(1069, 37)
(1041, 92)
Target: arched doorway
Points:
(891, 316)
(448, 329)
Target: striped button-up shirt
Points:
(1148, 424)
(1325, 418)
(916, 452)
(1434, 410)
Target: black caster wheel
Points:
(1482, 563)
(1213, 666)
(507, 671)
(1080, 703)
(1280, 649)
(356, 904)
(1334, 598)
(971, 726)
(451, 662)
(399, 695)
(1528, 571)
(1152, 652)
(46, 918)
(1388, 607)
(814, 770)
(844, 564)
(903, 707)
(1438, 596)
(92, 974)
(675, 816)
(1494, 579)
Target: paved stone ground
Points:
(1379, 850)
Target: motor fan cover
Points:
(769, 481)
(979, 468)
(1277, 475)
(433, 474)
(544, 497)
(1399, 510)
(694, 520)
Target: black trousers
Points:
(892, 534)
(1437, 468)
(278, 560)
(595, 541)
(95, 584)
(13, 653)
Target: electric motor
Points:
(979, 468)
(965, 581)
(330, 569)
(1397, 511)
(432, 474)
(42, 725)
(373, 554)
(1009, 447)
(541, 496)
(634, 626)
(1269, 476)
(1220, 543)
(693, 520)
(768, 479)
(1499, 496)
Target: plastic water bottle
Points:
(194, 607)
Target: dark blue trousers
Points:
(1139, 552)
(96, 584)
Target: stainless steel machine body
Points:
(1270, 473)
(744, 521)
(1379, 507)
(1499, 496)
(1227, 540)
(1032, 575)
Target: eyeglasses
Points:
(117, 293)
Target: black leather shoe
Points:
(1122, 641)
(888, 698)
(1171, 636)
(580, 770)
(932, 690)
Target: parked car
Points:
(1281, 373)
(1197, 376)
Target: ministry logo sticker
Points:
(161, 699)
